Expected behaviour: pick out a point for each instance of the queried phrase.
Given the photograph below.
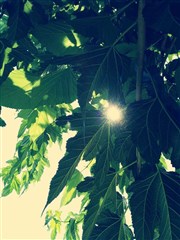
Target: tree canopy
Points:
(123, 54)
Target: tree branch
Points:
(141, 48)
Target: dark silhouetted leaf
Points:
(86, 185)
(98, 72)
(18, 21)
(107, 227)
(155, 204)
(98, 27)
(159, 16)
(2, 122)
(177, 79)
(100, 199)
(144, 135)
(154, 130)
(111, 226)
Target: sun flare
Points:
(114, 114)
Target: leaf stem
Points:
(127, 166)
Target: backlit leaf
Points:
(84, 145)
(70, 190)
(25, 91)
(57, 37)
(72, 230)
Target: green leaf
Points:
(53, 53)
(53, 234)
(125, 232)
(99, 27)
(57, 37)
(25, 113)
(72, 230)
(177, 79)
(14, 169)
(107, 227)
(170, 137)
(98, 68)
(22, 128)
(5, 59)
(70, 190)
(3, 23)
(127, 49)
(86, 185)
(103, 159)
(44, 2)
(52, 220)
(13, 20)
(32, 91)
(98, 71)
(2, 122)
(124, 149)
(31, 119)
(163, 19)
(26, 45)
(16, 184)
(144, 118)
(148, 121)
(100, 199)
(84, 145)
(111, 226)
(13, 184)
(18, 21)
(22, 54)
(6, 191)
(53, 132)
(155, 205)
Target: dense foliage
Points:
(122, 52)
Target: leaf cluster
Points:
(55, 52)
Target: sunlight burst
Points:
(114, 114)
